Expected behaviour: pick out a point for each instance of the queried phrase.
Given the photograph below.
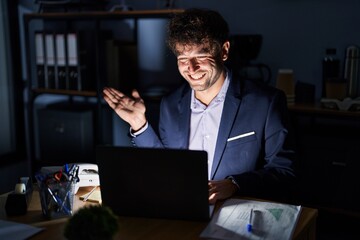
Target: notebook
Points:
(154, 183)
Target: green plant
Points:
(94, 222)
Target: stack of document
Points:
(249, 219)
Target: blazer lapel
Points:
(230, 111)
(184, 118)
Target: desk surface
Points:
(146, 228)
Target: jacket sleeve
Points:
(147, 139)
(275, 174)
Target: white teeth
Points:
(197, 76)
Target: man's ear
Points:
(225, 51)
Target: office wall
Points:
(295, 32)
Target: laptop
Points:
(154, 183)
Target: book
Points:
(250, 219)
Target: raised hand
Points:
(130, 109)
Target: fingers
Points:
(116, 99)
(113, 95)
(113, 91)
(221, 189)
(212, 199)
(116, 96)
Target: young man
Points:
(241, 124)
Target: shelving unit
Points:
(68, 22)
(328, 154)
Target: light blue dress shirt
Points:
(205, 122)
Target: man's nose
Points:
(193, 65)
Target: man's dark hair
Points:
(198, 26)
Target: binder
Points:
(74, 77)
(40, 60)
(61, 71)
(50, 78)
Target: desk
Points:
(145, 228)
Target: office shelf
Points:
(99, 26)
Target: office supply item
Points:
(73, 62)
(249, 225)
(20, 188)
(88, 195)
(88, 176)
(61, 71)
(269, 220)
(50, 81)
(56, 190)
(17, 231)
(93, 196)
(40, 59)
(154, 183)
(16, 204)
(18, 200)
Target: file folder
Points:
(61, 71)
(40, 60)
(73, 62)
(50, 78)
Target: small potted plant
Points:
(92, 222)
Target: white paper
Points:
(269, 220)
(17, 231)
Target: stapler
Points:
(88, 175)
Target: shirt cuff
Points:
(140, 131)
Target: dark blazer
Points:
(253, 146)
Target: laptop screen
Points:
(155, 183)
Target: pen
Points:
(58, 201)
(66, 166)
(249, 225)
(87, 196)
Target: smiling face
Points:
(200, 68)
